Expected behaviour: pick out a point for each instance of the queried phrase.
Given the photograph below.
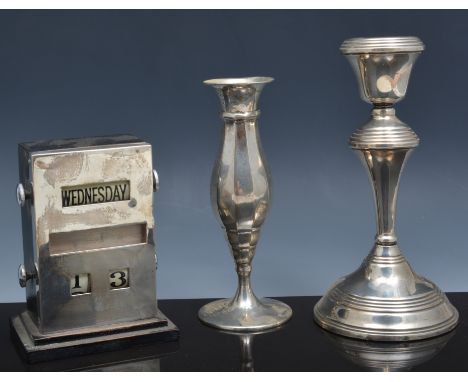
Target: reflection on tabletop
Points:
(246, 346)
(137, 358)
(388, 356)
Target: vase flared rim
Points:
(362, 45)
(219, 82)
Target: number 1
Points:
(77, 282)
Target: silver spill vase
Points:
(384, 300)
(240, 193)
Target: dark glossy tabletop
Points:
(300, 345)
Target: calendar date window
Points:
(119, 279)
(80, 284)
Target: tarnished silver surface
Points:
(389, 356)
(93, 236)
(384, 300)
(240, 192)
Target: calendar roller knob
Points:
(24, 276)
(155, 181)
(22, 193)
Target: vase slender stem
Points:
(245, 296)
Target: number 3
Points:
(119, 279)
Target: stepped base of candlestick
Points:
(384, 300)
(232, 315)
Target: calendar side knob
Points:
(155, 181)
(24, 276)
(22, 194)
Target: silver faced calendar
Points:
(89, 257)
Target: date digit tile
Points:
(118, 279)
(79, 284)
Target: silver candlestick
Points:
(384, 299)
(240, 193)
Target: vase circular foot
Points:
(229, 315)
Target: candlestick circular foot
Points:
(385, 323)
(228, 314)
(384, 300)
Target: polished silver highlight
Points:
(240, 192)
(384, 299)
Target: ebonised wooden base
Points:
(34, 347)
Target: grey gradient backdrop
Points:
(78, 73)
